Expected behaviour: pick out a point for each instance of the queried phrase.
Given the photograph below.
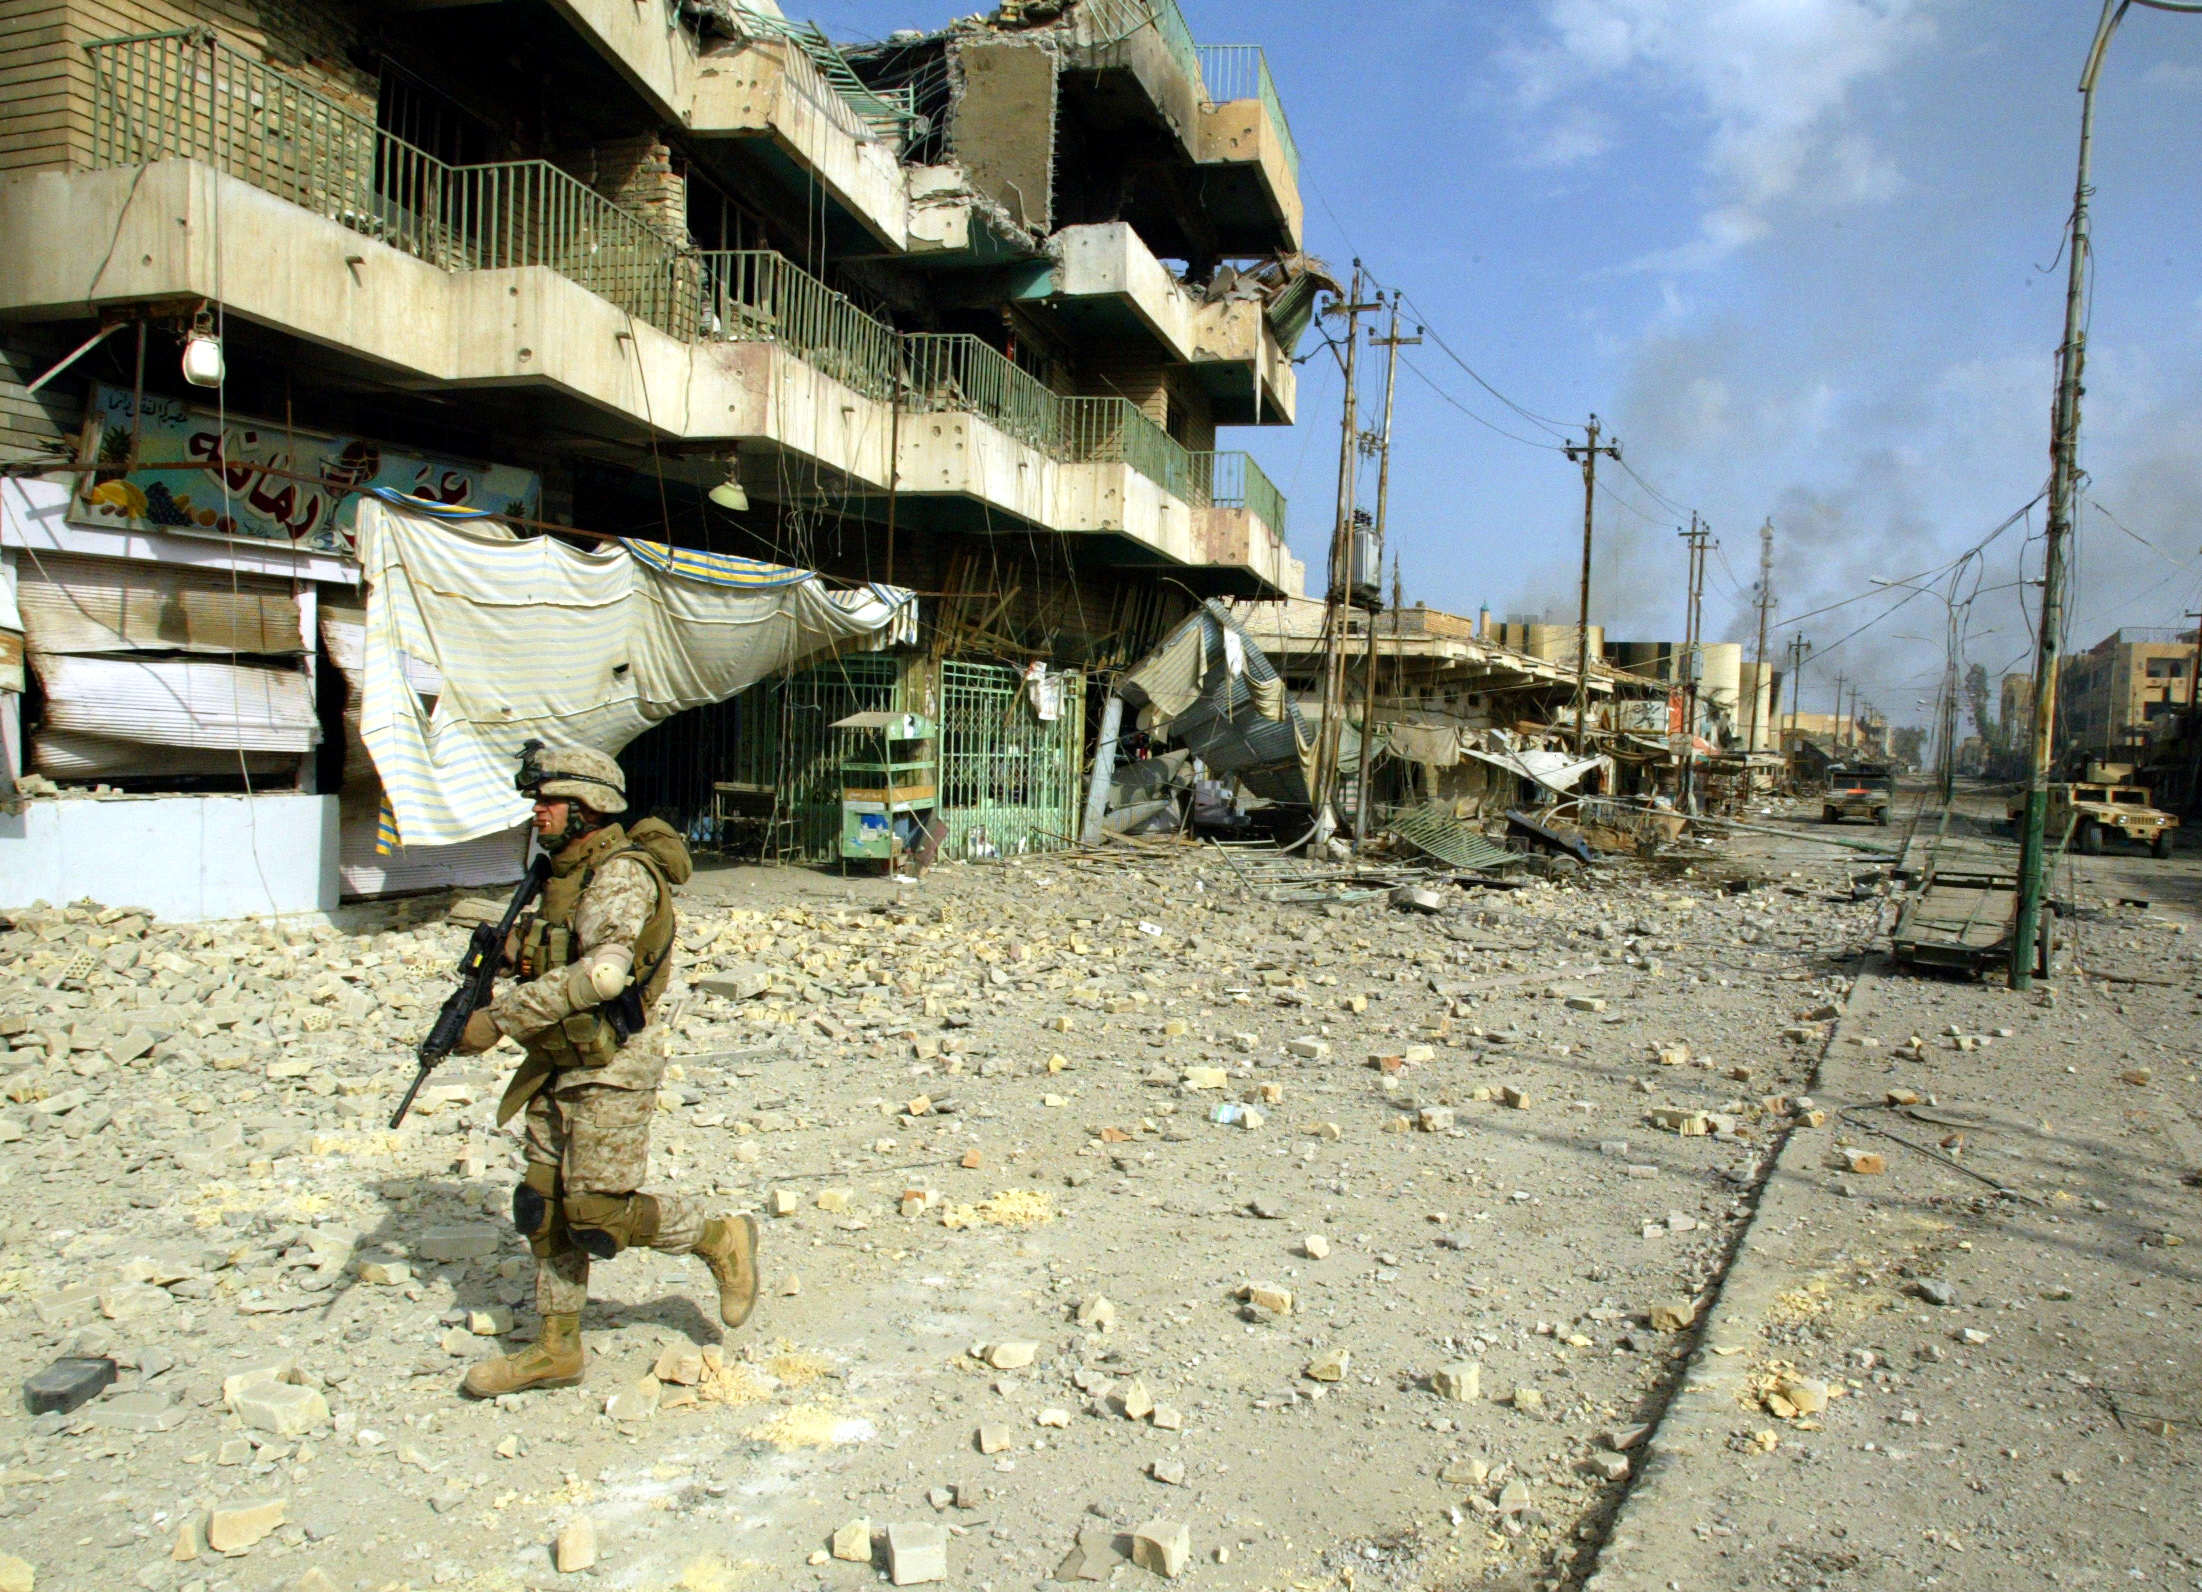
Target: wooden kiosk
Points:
(889, 770)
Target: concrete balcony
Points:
(769, 94)
(1250, 172)
(1109, 284)
(787, 375)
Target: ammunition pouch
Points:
(593, 1040)
(544, 948)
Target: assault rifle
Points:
(485, 954)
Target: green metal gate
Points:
(796, 754)
(1008, 778)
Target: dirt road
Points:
(1104, 1237)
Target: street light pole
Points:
(1945, 719)
(2063, 467)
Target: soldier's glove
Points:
(481, 1032)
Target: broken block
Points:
(234, 1528)
(917, 1551)
(1329, 1366)
(1162, 1546)
(284, 1408)
(1461, 1381)
(575, 1548)
(853, 1542)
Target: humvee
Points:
(1856, 790)
(2094, 811)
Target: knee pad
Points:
(535, 1210)
(605, 1224)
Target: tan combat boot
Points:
(729, 1248)
(553, 1360)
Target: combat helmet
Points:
(578, 773)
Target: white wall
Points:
(183, 858)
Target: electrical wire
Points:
(1527, 442)
(1557, 427)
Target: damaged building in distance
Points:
(967, 312)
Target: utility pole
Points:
(1758, 680)
(2194, 721)
(1840, 737)
(1948, 727)
(1339, 594)
(1799, 650)
(1391, 344)
(1693, 627)
(1586, 453)
(2064, 440)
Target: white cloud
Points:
(1772, 81)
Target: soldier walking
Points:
(589, 967)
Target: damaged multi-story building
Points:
(967, 311)
(1461, 710)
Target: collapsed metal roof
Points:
(1210, 688)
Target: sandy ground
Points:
(988, 1103)
(2008, 1317)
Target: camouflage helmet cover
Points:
(577, 773)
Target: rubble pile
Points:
(1113, 1217)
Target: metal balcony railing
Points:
(756, 296)
(1113, 21)
(1241, 71)
(957, 371)
(1115, 431)
(187, 96)
(1235, 481)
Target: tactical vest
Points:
(586, 1038)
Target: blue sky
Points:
(1801, 257)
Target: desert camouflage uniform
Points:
(589, 1104)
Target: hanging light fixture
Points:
(729, 494)
(202, 352)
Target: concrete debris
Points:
(1461, 1381)
(853, 1542)
(1329, 1366)
(575, 1548)
(1163, 1546)
(917, 1551)
(268, 1299)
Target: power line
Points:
(1556, 427)
(1527, 442)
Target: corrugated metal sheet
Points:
(493, 859)
(68, 755)
(344, 633)
(178, 702)
(1434, 829)
(75, 604)
(1224, 726)
(344, 636)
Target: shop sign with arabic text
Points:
(297, 488)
